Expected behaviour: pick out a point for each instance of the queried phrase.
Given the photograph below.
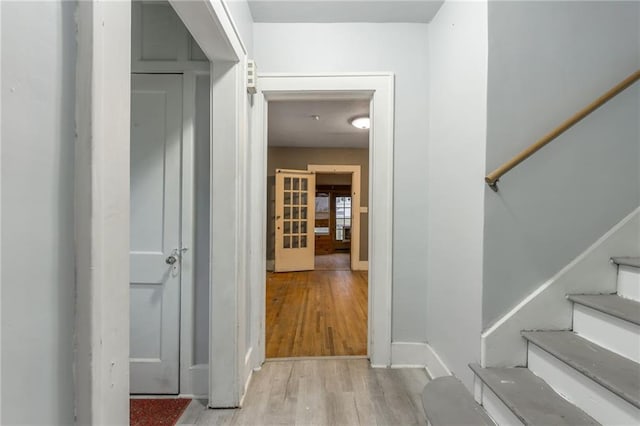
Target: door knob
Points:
(171, 260)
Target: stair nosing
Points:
(631, 261)
(576, 298)
(530, 336)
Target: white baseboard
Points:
(547, 307)
(434, 365)
(418, 355)
(200, 379)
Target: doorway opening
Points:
(169, 206)
(316, 290)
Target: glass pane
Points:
(303, 212)
(287, 242)
(296, 199)
(287, 228)
(296, 184)
(303, 242)
(303, 198)
(303, 227)
(347, 221)
(287, 184)
(294, 242)
(296, 227)
(303, 184)
(339, 235)
(296, 211)
(287, 198)
(322, 206)
(287, 212)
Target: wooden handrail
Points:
(493, 177)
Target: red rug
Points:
(156, 412)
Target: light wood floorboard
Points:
(316, 313)
(323, 392)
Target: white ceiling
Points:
(291, 124)
(344, 10)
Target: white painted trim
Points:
(379, 87)
(103, 94)
(356, 182)
(629, 282)
(598, 402)
(418, 355)
(199, 380)
(615, 334)
(546, 308)
(435, 365)
(0, 230)
(187, 271)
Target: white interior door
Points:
(156, 135)
(295, 219)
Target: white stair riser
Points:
(497, 410)
(597, 401)
(629, 282)
(619, 336)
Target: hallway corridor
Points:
(323, 392)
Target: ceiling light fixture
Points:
(362, 123)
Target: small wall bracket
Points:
(493, 186)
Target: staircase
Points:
(587, 376)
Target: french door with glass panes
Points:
(295, 218)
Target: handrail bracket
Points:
(493, 185)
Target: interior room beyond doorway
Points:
(317, 174)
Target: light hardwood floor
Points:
(316, 313)
(322, 392)
(333, 262)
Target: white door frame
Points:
(102, 204)
(356, 208)
(379, 89)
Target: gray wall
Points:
(399, 48)
(38, 105)
(457, 141)
(546, 61)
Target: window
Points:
(343, 218)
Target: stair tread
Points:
(627, 261)
(612, 304)
(618, 374)
(530, 398)
(448, 402)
